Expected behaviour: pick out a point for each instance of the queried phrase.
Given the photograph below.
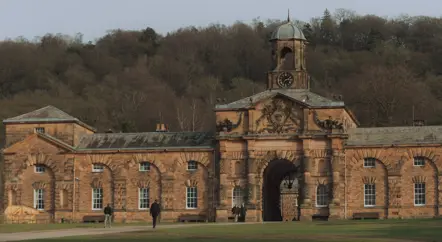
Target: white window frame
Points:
(369, 196)
(39, 169)
(97, 168)
(418, 161)
(142, 200)
(237, 196)
(144, 166)
(40, 130)
(368, 161)
(192, 165)
(96, 200)
(39, 199)
(191, 201)
(419, 190)
(322, 196)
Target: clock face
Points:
(285, 80)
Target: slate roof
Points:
(46, 114)
(310, 99)
(149, 140)
(395, 136)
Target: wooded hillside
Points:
(130, 80)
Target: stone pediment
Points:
(278, 114)
(33, 144)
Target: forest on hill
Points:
(130, 80)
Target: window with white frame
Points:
(321, 196)
(419, 194)
(144, 166)
(97, 168)
(39, 169)
(40, 130)
(369, 195)
(191, 197)
(143, 198)
(97, 198)
(419, 161)
(192, 165)
(369, 162)
(237, 197)
(39, 202)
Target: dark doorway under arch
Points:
(274, 177)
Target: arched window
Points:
(237, 197)
(192, 165)
(321, 196)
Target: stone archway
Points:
(280, 190)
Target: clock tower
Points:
(288, 48)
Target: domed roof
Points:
(287, 31)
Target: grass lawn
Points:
(357, 231)
(13, 228)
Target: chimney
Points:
(161, 128)
(418, 122)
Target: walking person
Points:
(108, 216)
(154, 212)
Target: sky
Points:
(93, 18)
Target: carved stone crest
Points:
(328, 123)
(280, 116)
(227, 126)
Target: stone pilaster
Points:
(335, 186)
(307, 189)
(120, 194)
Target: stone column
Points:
(335, 203)
(222, 209)
(254, 194)
(307, 189)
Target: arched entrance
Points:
(280, 191)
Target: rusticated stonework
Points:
(284, 153)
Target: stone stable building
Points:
(286, 153)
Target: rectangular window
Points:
(143, 196)
(39, 169)
(97, 168)
(322, 196)
(419, 161)
(369, 195)
(39, 202)
(144, 166)
(237, 197)
(369, 162)
(192, 165)
(191, 197)
(40, 130)
(419, 194)
(97, 198)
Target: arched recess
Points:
(199, 178)
(141, 179)
(287, 61)
(38, 185)
(106, 179)
(428, 173)
(380, 172)
(12, 194)
(272, 180)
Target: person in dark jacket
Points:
(154, 212)
(108, 216)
